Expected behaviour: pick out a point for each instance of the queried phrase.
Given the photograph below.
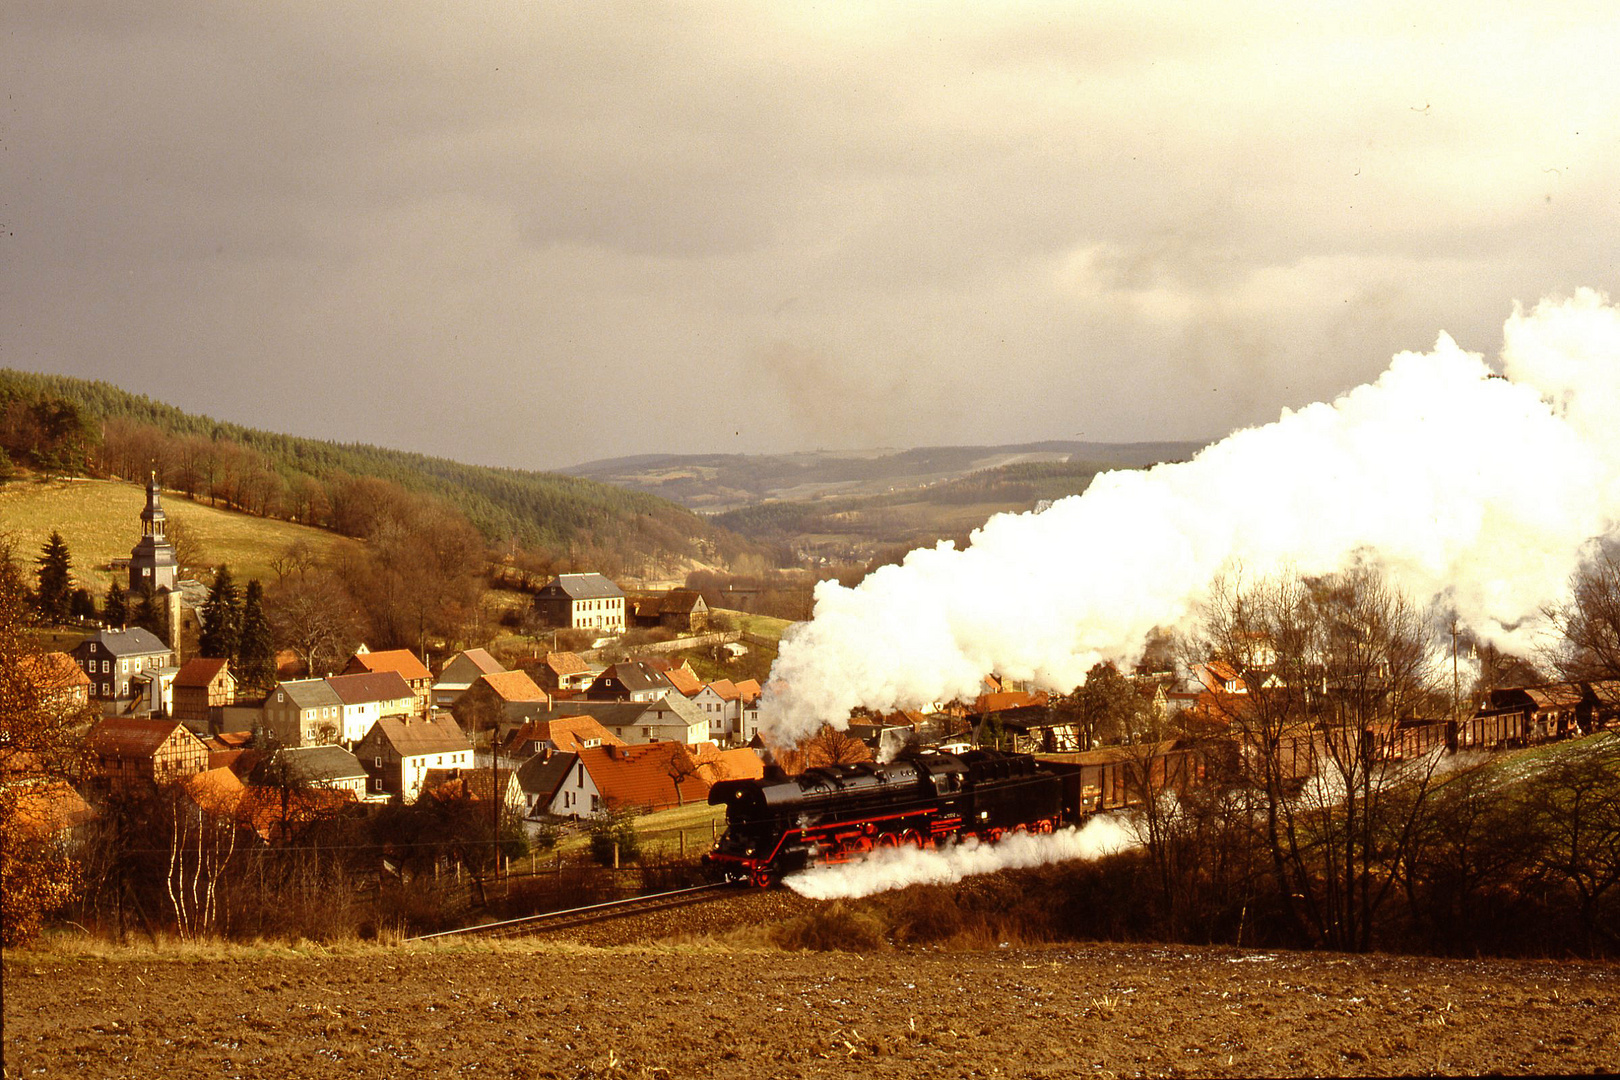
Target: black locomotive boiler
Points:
(833, 814)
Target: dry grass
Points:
(100, 520)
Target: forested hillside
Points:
(65, 425)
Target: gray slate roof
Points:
(313, 765)
(636, 676)
(438, 734)
(541, 776)
(132, 642)
(306, 693)
(583, 587)
(370, 686)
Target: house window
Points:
(580, 779)
(378, 762)
(596, 803)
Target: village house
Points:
(560, 672)
(399, 750)
(200, 687)
(540, 781)
(565, 733)
(682, 679)
(669, 719)
(303, 712)
(681, 610)
(366, 697)
(401, 662)
(630, 680)
(475, 785)
(484, 704)
(650, 777)
(111, 658)
(44, 808)
(57, 679)
(129, 753)
(458, 674)
(721, 702)
(581, 602)
(152, 692)
(749, 692)
(329, 767)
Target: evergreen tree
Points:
(152, 614)
(255, 652)
(81, 605)
(115, 611)
(221, 617)
(55, 580)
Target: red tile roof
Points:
(512, 686)
(128, 735)
(53, 671)
(566, 733)
(402, 661)
(565, 663)
(725, 688)
(41, 807)
(643, 775)
(217, 791)
(750, 690)
(199, 672)
(481, 659)
(684, 681)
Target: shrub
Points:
(837, 928)
(614, 828)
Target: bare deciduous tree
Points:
(1331, 665)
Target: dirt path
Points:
(695, 1011)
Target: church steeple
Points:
(152, 564)
(153, 519)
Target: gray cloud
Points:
(1132, 224)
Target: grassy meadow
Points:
(100, 521)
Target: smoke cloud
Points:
(896, 868)
(1476, 489)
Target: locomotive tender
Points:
(921, 799)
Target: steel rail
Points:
(588, 913)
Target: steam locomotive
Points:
(779, 824)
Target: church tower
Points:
(151, 563)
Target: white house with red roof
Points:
(366, 698)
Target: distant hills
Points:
(719, 482)
(649, 516)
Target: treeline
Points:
(71, 425)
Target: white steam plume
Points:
(895, 868)
(1460, 484)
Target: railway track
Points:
(591, 913)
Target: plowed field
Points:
(699, 1008)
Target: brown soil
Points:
(729, 1008)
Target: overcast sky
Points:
(534, 234)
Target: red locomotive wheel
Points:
(912, 838)
(888, 840)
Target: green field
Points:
(100, 520)
(662, 831)
(763, 626)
